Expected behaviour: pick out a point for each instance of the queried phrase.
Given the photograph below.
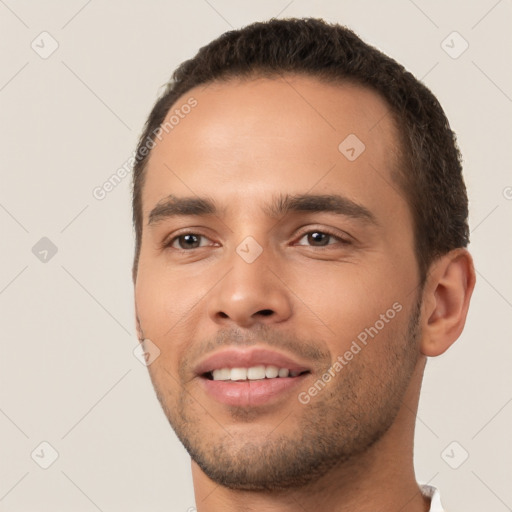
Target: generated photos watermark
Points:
(356, 346)
(100, 192)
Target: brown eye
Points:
(187, 241)
(317, 238)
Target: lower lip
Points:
(248, 393)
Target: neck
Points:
(382, 478)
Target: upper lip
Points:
(245, 358)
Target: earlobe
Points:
(446, 298)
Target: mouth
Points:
(252, 373)
(249, 378)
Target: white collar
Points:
(435, 498)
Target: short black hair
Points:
(429, 172)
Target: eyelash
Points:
(343, 241)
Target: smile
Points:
(258, 372)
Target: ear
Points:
(446, 297)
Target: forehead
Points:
(253, 138)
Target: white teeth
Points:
(238, 373)
(222, 374)
(258, 372)
(271, 372)
(283, 372)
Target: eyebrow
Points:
(281, 205)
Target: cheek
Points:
(163, 305)
(160, 323)
(347, 301)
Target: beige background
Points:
(69, 121)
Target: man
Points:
(301, 224)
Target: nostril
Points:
(266, 312)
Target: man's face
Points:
(297, 288)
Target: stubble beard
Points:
(339, 424)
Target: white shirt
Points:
(435, 499)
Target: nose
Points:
(250, 293)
